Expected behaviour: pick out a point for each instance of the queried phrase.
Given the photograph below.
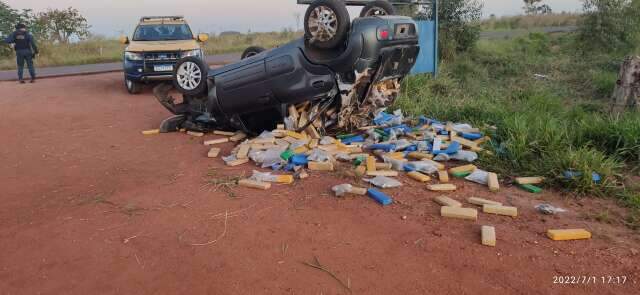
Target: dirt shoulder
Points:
(90, 206)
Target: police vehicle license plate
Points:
(163, 68)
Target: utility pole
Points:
(297, 16)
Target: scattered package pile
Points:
(378, 153)
(391, 146)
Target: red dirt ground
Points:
(91, 206)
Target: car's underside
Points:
(339, 88)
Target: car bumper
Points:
(141, 71)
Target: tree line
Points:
(50, 25)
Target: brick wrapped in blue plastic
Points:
(453, 148)
(350, 140)
(379, 196)
(382, 146)
(471, 136)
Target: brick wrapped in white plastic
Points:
(393, 134)
(298, 143)
(266, 135)
(423, 166)
(343, 157)
(428, 135)
(549, 209)
(384, 182)
(437, 127)
(318, 155)
(396, 164)
(289, 123)
(327, 140)
(442, 157)
(422, 145)
(437, 144)
(478, 176)
(342, 189)
(267, 158)
(462, 128)
(372, 136)
(263, 176)
(230, 158)
(468, 156)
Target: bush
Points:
(459, 25)
(610, 25)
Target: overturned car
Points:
(340, 71)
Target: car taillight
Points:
(384, 33)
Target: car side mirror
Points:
(124, 40)
(203, 37)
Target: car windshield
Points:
(163, 32)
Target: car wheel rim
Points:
(129, 84)
(323, 24)
(189, 75)
(375, 11)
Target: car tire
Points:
(378, 7)
(133, 87)
(190, 76)
(251, 51)
(326, 23)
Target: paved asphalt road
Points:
(101, 68)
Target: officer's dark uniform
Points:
(26, 49)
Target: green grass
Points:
(97, 50)
(542, 126)
(100, 50)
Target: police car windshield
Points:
(162, 32)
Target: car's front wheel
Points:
(133, 87)
(190, 76)
(378, 7)
(326, 23)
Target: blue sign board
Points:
(428, 38)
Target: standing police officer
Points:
(26, 50)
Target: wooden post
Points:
(627, 91)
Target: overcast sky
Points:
(110, 17)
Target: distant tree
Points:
(9, 17)
(533, 7)
(62, 25)
(231, 33)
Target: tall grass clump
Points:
(614, 135)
